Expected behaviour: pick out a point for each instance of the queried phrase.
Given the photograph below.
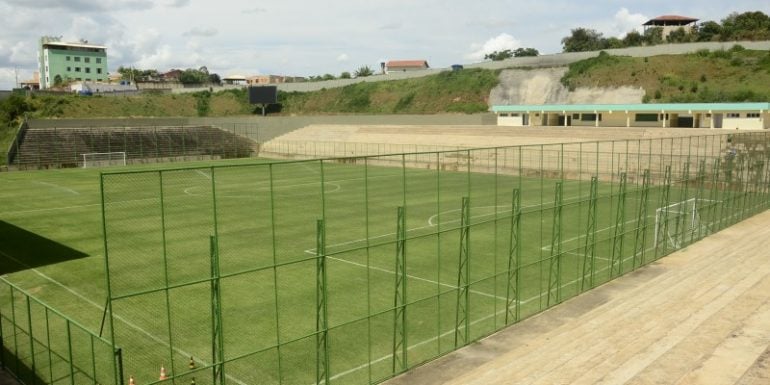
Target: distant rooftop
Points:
(407, 63)
(671, 20)
(650, 107)
(77, 45)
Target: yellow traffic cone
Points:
(191, 365)
(163, 375)
(131, 380)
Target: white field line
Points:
(429, 340)
(124, 320)
(544, 205)
(188, 190)
(205, 175)
(415, 278)
(548, 247)
(57, 187)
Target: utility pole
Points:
(16, 73)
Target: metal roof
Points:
(671, 18)
(78, 45)
(667, 107)
(407, 63)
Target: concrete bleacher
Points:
(64, 147)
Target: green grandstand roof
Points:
(723, 107)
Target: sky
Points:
(310, 37)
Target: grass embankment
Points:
(735, 75)
(464, 92)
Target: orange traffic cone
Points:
(163, 375)
(131, 380)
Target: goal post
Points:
(100, 159)
(682, 221)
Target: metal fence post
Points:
(514, 260)
(554, 272)
(399, 301)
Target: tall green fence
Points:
(353, 270)
(39, 345)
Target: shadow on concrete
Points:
(22, 250)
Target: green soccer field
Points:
(307, 271)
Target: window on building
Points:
(589, 117)
(733, 115)
(752, 115)
(504, 115)
(98, 70)
(68, 58)
(576, 116)
(646, 118)
(88, 70)
(69, 69)
(77, 58)
(77, 69)
(87, 60)
(98, 60)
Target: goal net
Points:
(682, 221)
(102, 159)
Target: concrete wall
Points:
(266, 128)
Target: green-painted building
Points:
(60, 62)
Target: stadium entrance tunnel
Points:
(21, 249)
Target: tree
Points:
(328, 77)
(746, 26)
(678, 35)
(364, 71)
(57, 81)
(653, 36)
(522, 52)
(215, 79)
(633, 39)
(499, 55)
(345, 75)
(193, 76)
(709, 31)
(581, 40)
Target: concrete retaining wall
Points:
(266, 128)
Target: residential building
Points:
(61, 62)
(234, 80)
(406, 65)
(273, 79)
(731, 116)
(670, 23)
(31, 84)
(172, 75)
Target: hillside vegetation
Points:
(735, 75)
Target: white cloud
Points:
(343, 57)
(500, 42)
(201, 32)
(625, 22)
(179, 3)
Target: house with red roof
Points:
(670, 23)
(406, 65)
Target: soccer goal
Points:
(101, 159)
(682, 221)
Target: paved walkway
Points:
(698, 316)
(5, 379)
